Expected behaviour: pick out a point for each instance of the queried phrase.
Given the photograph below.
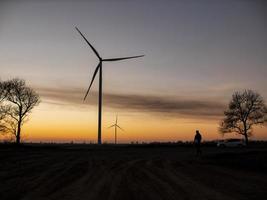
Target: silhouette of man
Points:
(197, 142)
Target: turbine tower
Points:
(115, 127)
(99, 68)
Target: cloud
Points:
(164, 106)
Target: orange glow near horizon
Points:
(50, 123)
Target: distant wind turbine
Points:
(99, 67)
(115, 127)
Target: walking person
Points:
(197, 142)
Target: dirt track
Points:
(132, 173)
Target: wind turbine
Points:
(116, 126)
(99, 68)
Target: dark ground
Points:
(132, 172)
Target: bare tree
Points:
(21, 100)
(245, 110)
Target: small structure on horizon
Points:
(115, 127)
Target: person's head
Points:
(197, 131)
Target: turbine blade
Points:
(96, 70)
(116, 119)
(123, 58)
(88, 43)
(120, 127)
(111, 126)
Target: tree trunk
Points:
(246, 139)
(246, 136)
(245, 132)
(18, 132)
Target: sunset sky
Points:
(197, 53)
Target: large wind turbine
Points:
(115, 127)
(99, 68)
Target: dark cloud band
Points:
(140, 103)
